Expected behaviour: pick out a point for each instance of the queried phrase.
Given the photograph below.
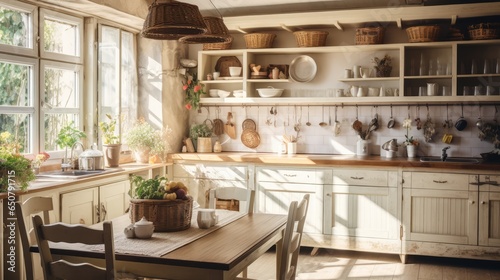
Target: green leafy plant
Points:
(108, 129)
(15, 169)
(199, 130)
(147, 188)
(69, 135)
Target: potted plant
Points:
(193, 89)
(410, 143)
(15, 169)
(68, 136)
(112, 145)
(142, 138)
(201, 134)
(383, 66)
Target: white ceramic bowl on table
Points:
(234, 71)
(213, 93)
(270, 92)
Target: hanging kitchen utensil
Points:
(248, 123)
(357, 125)
(208, 122)
(418, 121)
(308, 123)
(296, 126)
(391, 122)
(461, 123)
(337, 124)
(323, 123)
(229, 127)
(250, 138)
(218, 123)
(479, 123)
(268, 120)
(429, 128)
(447, 137)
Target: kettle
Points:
(391, 145)
(91, 159)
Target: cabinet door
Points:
(80, 207)
(113, 200)
(359, 211)
(447, 216)
(489, 218)
(275, 197)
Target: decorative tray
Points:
(223, 64)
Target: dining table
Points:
(221, 252)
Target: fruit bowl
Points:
(270, 92)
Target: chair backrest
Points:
(235, 193)
(33, 205)
(292, 237)
(60, 232)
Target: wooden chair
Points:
(60, 232)
(235, 193)
(33, 205)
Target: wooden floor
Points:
(335, 265)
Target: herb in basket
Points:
(147, 189)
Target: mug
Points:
(422, 91)
(490, 90)
(206, 218)
(348, 73)
(446, 91)
(372, 91)
(355, 70)
(478, 90)
(216, 75)
(339, 92)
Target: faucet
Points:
(70, 163)
(444, 155)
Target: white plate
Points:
(303, 69)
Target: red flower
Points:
(185, 87)
(197, 88)
(189, 82)
(188, 106)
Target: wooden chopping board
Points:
(229, 127)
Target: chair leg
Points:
(245, 272)
(314, 251)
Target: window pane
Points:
(61, 88)
(128, 80)
(15, 84)
(18, 125)
(52, 124)
(60, 37)
(109, 62)
(14, 27)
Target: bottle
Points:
(217, 147)
(276, 73)
(422, 68)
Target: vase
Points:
(383, 72)
(411, 151)
(291, 148)
(142, 155)
(204, 145)
(363, 147)
(112, 154)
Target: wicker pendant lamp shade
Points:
(171, 20)
(217, 33)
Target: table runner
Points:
(160, 243)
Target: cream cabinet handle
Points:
(289, 175)
(439, 182)
(103, 211)
(357, 178)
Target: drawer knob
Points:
(483, 202)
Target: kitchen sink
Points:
(451, 160)
(75, 174)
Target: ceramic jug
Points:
(365, 72)
(432, 89)
(354, 91)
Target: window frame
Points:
(32, 49)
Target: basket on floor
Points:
(370, 35)
(428, 33)
(218, 46)
(259, 40)
(166, 215)
(483, 31)
(310, 38)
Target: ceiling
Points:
(232, 8)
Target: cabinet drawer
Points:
(307, 176)
(438, 181)
(224, 172)
(364, 177)
(185, 170)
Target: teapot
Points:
(143, 229)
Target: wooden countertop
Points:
(311, 160)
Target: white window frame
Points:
(52, 15)
(79, 110)
(31, 109)
(32, 48)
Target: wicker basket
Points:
(422, 33)
(218, 46)
(166, 215)
(370, 35)
(310, 38)
(483, 31)
(259, 40)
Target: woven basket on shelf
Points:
(218, 46)
(166, 215)
(483, 31)
(259, 40)
(370, 35)
(310, 38)
(427, 33)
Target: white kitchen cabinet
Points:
(202, 177)
(489, 210)
(361, 210)
(93, 205)
(278, 187)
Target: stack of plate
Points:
(258, 75)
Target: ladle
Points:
(308, 123)
(357, 125)
(479, 122)
(337, 124)
(391, 122)
(323, 123)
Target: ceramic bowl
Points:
(223, 93)
(239, 93)
(234, 71)
(143, 229)
(213, 93)
(270, 92)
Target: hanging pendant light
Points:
(217, 33)
(171, 20)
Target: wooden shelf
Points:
(428, 77)
(477, 75)
(374, 79)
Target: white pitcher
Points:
(365, 72)
(432, 89)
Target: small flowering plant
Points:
(193, 90)
(409, 139)
(39, 159)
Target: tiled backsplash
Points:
(315, 139)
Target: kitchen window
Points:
(41, 85)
